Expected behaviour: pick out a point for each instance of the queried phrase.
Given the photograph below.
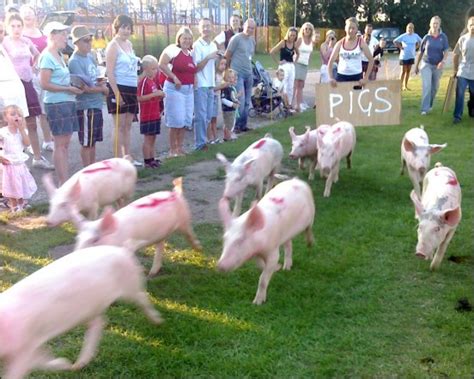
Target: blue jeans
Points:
(430, 76)
(244, 86)
(203, 109)
(460, 91)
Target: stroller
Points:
(265, 98)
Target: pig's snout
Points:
(224, 265)
(326, 171)
(420, 255)
(292, 156)
(422, 171)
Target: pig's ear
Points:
(417, 203)
(291, 130)
(248, 164)
(75, 193)
(223, 160)
(452, 216)
(108, 223)
(407, 145)
(255, 219)
(224, 211)
(437, 148)
(49, 185)
(319, 138)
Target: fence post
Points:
(144, 40)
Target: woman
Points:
(325, 51)
(24, 54)
(59, 96)
(432, 56)
(99, 44)
(176, 62)
(407, 43)
(122, 65)
(288, 54)
(349, 51)
(31, 31)
(304, 44)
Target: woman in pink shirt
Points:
(24, 55)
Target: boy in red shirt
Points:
(149, 96)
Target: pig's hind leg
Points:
(191, 237)
(91, 340)
(349, 160)
(157, 259)
(288, 261)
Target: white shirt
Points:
(207, 76)
(372, 45)
(305, 52)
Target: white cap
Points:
(54, 26)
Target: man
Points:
(223, 38)
(372, 43)
(463, 64)
(11, 89)
(239, 55)
(204, 55)
(84, 72)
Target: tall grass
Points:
(358, 304)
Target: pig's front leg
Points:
(301, 163)
(93, 213)
(271, 265)
(91, 340)
(238, 204)
(157, 259)
(142, 300)
(441, 250)
(309, 236)
(259, 189)
(312, 166)
(329, 180)
(288, 261)
(404, 164)
(270, 179)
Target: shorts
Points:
(62, 118)
(348, 78)
(95, 123)
(406, 62)
(39, 91)
(301, 71)
(179, 105)
(215, 106)
(129, 96)
(150, 128)
(34, 107)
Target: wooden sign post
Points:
(377, 103)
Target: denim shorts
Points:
(62, 118)
(179, 105)
(215, 107)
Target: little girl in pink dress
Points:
(17, 182)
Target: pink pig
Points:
(438, 212)
(285, 211)
(334, 144)
(74, 290)
(148, 220)
(101, 183)
(260, 160)
(416, 152)
(306, 146)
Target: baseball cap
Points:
(54, 26)
(80, 31)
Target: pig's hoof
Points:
(287, 267)
(156, 318)
(78, 366)
(258, 301)
(311, 177)
(60, 364)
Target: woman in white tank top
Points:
(349, 51)
(306, 39)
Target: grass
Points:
(359, 304)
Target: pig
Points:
(306, 146)
(438, 212)
(75, 290)
(416, 154)
(101, 183)
(334, 144)
(280, 215)
(148, 220)
(260, 160)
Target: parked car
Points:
(66, 18)
(388, 34)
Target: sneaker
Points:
(456, 121)
(29, 150)
(42, 163)
(423, 113)
(137, 163)
(303, 107)
(233, 137)
(48, 146)
(212, 142)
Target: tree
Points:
(285, 10)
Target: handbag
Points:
(450, 91)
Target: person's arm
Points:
(332, 59)
(297, 54)
(203, 62)
(456, 57)
(25, 140)
(145, 97)
(164, 68)
(75, 68)
(276, 49)
(420, 55)
(440, 65)
(370, 65)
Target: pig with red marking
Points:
(75, 290)
(416, 154)
(334, 144)
(101, 183)
(260, 160)
(146, 221)
(285, 211)
(305, 146)
(438, 212)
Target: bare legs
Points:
(33, 134)
(60, 157)
(405, 76)
(87, 155)
(149, 146)
(122, 135)
(298, 96)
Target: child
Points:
(230, 103)
(221, 64)
(149, 96)
(17, 182)
(278, 84)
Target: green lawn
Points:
(359, 304)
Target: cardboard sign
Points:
(377, 103)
